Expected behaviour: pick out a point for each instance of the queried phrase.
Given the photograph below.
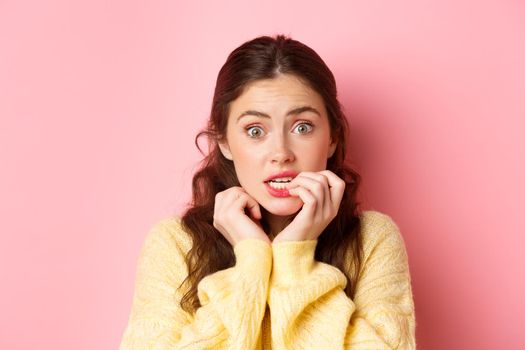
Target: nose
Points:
(281, 151)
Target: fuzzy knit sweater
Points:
(275, 297)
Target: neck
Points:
(273, 224)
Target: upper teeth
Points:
(282, 179)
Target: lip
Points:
(287, 173)
(277, 193)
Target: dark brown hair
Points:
(265, 58)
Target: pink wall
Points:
(100, 102)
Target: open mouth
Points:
(279, 184)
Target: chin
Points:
(284, 207)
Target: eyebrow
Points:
(294, 111)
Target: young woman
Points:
(272, 252)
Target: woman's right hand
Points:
(231, 220)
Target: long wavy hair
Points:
(266, 57)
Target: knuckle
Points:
(327, 173)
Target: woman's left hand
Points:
(321, 193)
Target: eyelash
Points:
(301, 123)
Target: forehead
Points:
(284, 89)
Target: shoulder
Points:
(167, 235)
(380, 230)
(372, 220)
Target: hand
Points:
(230, 219)
(321, 193)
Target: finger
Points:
(254, 208)
(246, 201)
(309, 200)
(316, 186)
(218, 200)
(252, 205)
(321, 178)
(229, 196)
(337, 187)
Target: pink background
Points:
(100, 102)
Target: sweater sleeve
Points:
(233, 300)
(310, 310)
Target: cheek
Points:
(315, 155)
(246, 166)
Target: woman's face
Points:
(264, 138)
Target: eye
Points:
(304, 127)
(256, 133)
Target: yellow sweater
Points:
(275, 297)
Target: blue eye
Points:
(252, 135)
(309, 125)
